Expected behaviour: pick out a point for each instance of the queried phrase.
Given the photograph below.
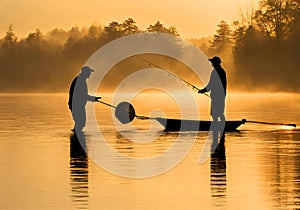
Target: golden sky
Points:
(192, 18)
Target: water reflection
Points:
(78, 173)
(123, 145)
(296, 181)
(280, 163)
(218, 174)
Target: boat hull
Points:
(195, 125)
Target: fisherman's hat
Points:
(86, 69)
(215, 60)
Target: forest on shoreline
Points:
(260, 52)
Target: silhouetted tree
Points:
(10, 37)
(295, 28)
(241, 27)
(238, 36)
(35, 36)
(129, 26)
(275, 17)
(113, 30)
(159, 27)
(173, 30)
(222, 39)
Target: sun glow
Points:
(286, 127)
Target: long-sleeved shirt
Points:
(79, 90)
(217, 84)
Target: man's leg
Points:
(79, 117)
(215, 130)
(222, 117)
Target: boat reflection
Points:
(79, 172)
(218, 174)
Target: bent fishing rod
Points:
(170, 73)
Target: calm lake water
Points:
(43, 167)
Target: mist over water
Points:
(42, 167)
(254, 59)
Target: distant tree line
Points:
(260, 51)
(47, 62)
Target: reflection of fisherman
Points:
(217, 86)
(78, 97)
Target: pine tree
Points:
(222, 39)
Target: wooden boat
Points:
(195, 125)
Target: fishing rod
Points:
(271, 123)
(107, 104)
(174, 75)
(197, 89)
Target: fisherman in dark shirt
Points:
(217, 87)
(78, 97)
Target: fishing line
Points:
(170, 73)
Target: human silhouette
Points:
(78, 97)
(217, 86)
